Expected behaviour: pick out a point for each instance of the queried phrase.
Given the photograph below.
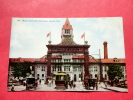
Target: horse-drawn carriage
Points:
(31, 83)
(61, 80)
(91, 83)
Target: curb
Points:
(114, 90)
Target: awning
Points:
(60, 74)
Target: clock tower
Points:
(67, 30)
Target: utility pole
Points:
(100, 63)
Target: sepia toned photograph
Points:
(67, 54)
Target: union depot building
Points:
(71, 58)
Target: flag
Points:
(82, 36)
(48, 35)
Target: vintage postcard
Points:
(67, 54)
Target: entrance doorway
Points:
(74, 77)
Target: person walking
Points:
(74, 85)
(12, 89)
(40, 81)
(70, 84)
(105, 84)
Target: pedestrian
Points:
(12, 89)
(49, 82)
(70, 84)
(74, 85)
(40, 81)
(66, 84)
(36, 83)
(96, 86)
(105, 85)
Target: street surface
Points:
(44, 87)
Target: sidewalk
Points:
(17, 88)
(113, 88)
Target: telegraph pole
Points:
(100, 63)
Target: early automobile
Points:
(31, 83)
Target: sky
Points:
(28, 35)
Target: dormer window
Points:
(116, 60)
(16, 59)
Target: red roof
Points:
(78, 56)
(115, 60)
(109, 60)
(58, 56)
(67, 25)
(27, 59)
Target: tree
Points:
(26, 68)
(17, 71)
(115, 71)
(21, 69)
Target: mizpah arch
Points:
(67, 56)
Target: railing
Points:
(68, 62)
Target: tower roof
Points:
(67, 25)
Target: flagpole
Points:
(50, 36)
(84, 37)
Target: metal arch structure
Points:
(100, 64)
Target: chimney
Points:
(105, 50)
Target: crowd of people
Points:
(71, 84)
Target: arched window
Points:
(95, 75)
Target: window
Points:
(43, 68)
(66, 68)
(16, 59)
(91, 69)
(59, 68)
(66, 60)
(37, 76)
(67, 31)
(74, 68)
(54, 68)
(59, 60)
(95, 68)
(79, 68)
(95, 75)
(42, 75)
(79, 75)
(116, 60)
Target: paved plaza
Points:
(79, 87)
